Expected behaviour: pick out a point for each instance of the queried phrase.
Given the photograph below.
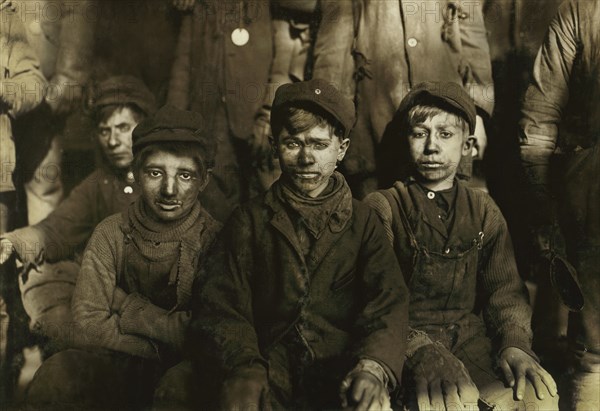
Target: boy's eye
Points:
(104, 132)
(446, 134)
(154, 173)
(292, 144)
(419, 133)
(185, 176)
(124, 128)
(320, 146)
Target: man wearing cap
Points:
(456, 255)
(50, 250)
(132, 299)
(304, 306)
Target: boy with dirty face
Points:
(456, 255)
(305, 305)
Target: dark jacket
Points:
(347, 297)
(209, 69)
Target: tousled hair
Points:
(297, 119)
(102, 114)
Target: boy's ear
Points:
(467, 148)
(345, 143)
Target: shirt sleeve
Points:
(92, 298)
(544, 101)
(383, 323)
(59, 235)
(506, 311)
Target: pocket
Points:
(343, 280)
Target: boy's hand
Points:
(442, 381)
(246, 389)
(362, 391)
(518, 366)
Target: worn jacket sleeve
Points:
(476, 53)
(222, 328)
(382, 325)
(139, 316)
(92, 299)
(58, 235)
(506, 310)
(544, 102)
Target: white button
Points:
(447, 251)
(128, 190)
(317, 91)
(412, 42)
(240, 37)
(431, 195)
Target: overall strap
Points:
(399, 215)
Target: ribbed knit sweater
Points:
(157, 273)
(505, 306)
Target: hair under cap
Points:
(445, 95)
(319, 93)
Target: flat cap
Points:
(123, 89)
(451, 95)
(170, 124)
(320, 93)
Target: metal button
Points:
(447, 250)
(317, 91)
(412, 42)
(431, 195)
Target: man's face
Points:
(170, 185)
(114, 136)
(309, 158)
(436, 147)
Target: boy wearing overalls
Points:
(468, 306)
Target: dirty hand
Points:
(183, 5)
(518, 366)
(6, 250)
(363, 391)
(245, 389)
(442, 381)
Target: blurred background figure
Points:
(560, 151)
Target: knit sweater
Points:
(132, 253)
(505, 307)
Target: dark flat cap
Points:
(169, 124)
(319, 93)
(451, 96)
(123, 90)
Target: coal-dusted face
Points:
(308, 158)
(436, 146)
(170, 184)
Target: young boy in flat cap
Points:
(51, 249)
(131, 304)
(305, 306)
(456, 255)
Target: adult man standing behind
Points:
(560, 150)
(50, 249)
